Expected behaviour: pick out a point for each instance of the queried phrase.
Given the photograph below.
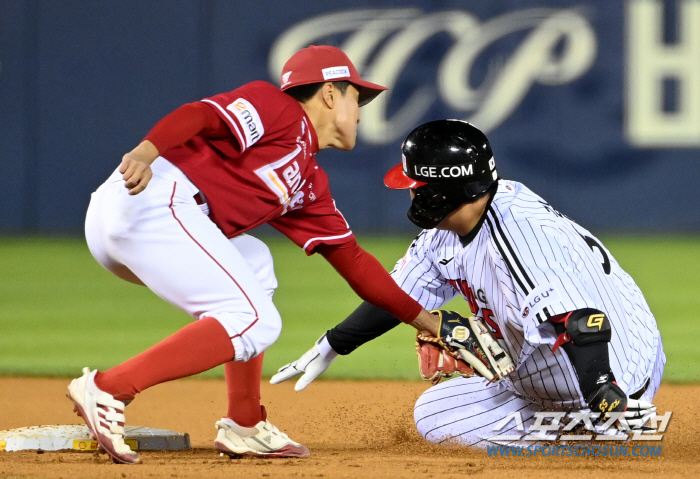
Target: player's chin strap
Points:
(584, 335)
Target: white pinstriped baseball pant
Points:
(466, 410)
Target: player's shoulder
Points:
(262, 103)
(432, 241)
(263, 88)
(268, 97)
(517, 200)
(515, 206)
(264, 97)
(510, 191)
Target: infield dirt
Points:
(355, 429)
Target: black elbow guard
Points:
(585, 326)
(584, 334)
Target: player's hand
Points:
(136, 167)
(312, 364)
(426, 322)
(471, 341)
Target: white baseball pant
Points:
(163, 239)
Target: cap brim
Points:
(368, 90)
(397, 180)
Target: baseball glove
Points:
(436, 363)
(469, 340)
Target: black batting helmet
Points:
(447, 163)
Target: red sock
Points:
(197, 347)
(243, 386)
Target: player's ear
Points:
(329, 94)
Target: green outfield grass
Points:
(60, 311)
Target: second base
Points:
(77, 438)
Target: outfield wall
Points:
(595, 105)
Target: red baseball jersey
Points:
(266, 172)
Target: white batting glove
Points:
(637, 415)
(313, 363)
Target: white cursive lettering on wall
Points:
(559, 47)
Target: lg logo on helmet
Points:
(460, 171)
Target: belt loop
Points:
(199, 198)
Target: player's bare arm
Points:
(136, 167)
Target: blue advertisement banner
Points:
(594, 105)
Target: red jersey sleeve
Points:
(368, 278)
(183, 124)
(246, 113)
(317, 221)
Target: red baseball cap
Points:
(322, 63)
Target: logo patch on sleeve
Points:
(248, 117)
(541, 297)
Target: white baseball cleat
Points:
(103, 415)
(262, 440)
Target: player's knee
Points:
(262, 335)
(421, 416)
(421, 429)
(252, 332)
(273, 328)
(428, 432)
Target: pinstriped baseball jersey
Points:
(525, 262)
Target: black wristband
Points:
(364, 324)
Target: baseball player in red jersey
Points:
(173, 217)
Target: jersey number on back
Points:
(595, 246)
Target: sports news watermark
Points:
(589, 450)
(579, 426)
